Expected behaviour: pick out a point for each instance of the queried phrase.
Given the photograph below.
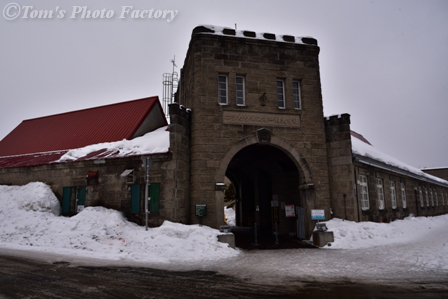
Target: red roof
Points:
(81, 128)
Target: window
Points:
(281, 94)
(364, 192)
(240, 91)
(138, 198)
(92, 178)
(431, 193)
(422, 204)
(403, 195)
(437, 198)
(222, 90)
(427, 197)
(393, 197)
(296, 95)
(379, 189)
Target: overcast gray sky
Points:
(383, 62)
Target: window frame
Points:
(226, 89)
(380, 194)
(297, 96)
(393, 195)
(365, 203)
(436, 197)
(431, 194)
(243, 90)
(427, 197)
(403, 196)
(422, 201)
(281, 96)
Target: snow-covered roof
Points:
(365, 153)
(76, 129)
(226, 31)
(155, 142)
(434, 168)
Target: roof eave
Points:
(391, 168)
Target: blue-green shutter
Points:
(66, 198)
(135, 198)
(81, 196)
(154, 194)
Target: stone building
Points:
(368, 185)
(248, 111)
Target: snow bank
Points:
(157, 141)
(348, 234)
(35, 196)
(29, 221)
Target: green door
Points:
(154, 194)
(81, 196)
(66, 199)
(135, 198)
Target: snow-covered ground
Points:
(410, 250)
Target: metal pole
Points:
(147, 163)
(146, 193)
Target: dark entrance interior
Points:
(266, 183)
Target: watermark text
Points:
(14, 11)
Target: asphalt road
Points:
(25, 278)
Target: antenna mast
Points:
(170, 83)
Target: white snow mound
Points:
(29, 221)
(353, 235)
(34, 196)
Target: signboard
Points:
(261, 119)
(317, 214)
(201, 210)
(290, 211)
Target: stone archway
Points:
(265, 169)
(275, 141)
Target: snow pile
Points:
(157, 141)
(349, 234)
(229, 214)
(29, 221)
(35, 196)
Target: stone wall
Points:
(178, 186)
(110, 189)
(437, 206)
(342, 180)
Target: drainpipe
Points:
(355, 191)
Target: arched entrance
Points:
(266, 182)
(269, 178)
